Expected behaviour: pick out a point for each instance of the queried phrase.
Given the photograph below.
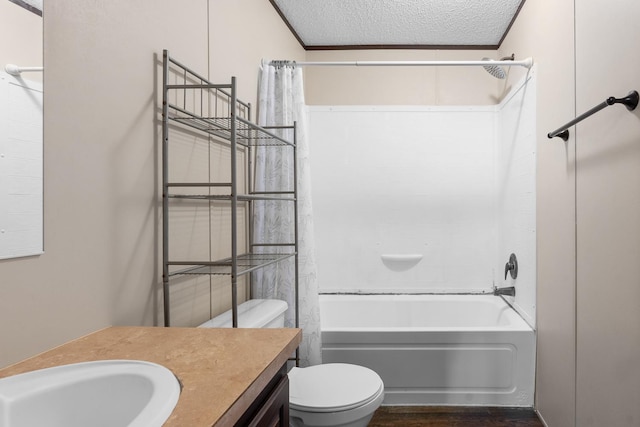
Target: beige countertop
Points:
(222, 370)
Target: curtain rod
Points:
(14, 70)
(527, 63)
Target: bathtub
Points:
(434, 349)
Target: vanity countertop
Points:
(222, 371)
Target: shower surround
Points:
(426, 199)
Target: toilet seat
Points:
(333, 387)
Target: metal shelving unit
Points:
(193, 104)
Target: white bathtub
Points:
(434, 349)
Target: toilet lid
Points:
(332, 387)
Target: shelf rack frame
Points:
(236, 129)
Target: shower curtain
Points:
(281, 102)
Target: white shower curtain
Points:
(281, 102)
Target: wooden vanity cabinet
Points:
(271, 408)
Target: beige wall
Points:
(608, 216)
(101, 264)
(588, 210)
(20, 38)
(400, 85)
(101, 176)
(551, 46)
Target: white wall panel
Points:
(401, 181)
(451, 187)
(516, 195)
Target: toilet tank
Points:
(255, 313)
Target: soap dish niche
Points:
(400, 262)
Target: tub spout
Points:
(510, 291)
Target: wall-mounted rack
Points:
(630, 101)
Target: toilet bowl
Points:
(334, 394)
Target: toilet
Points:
(254, 313)
(333, 394)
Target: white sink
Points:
(105, 393)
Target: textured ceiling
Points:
(345, 24)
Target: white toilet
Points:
(334, 394)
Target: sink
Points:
(103, 393)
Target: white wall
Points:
(516, 193)
(454, 185)
(403, 181)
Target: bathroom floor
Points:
(452, 416)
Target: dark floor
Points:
(454, 416)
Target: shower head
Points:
(496, 70)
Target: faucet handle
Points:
(511, 267)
